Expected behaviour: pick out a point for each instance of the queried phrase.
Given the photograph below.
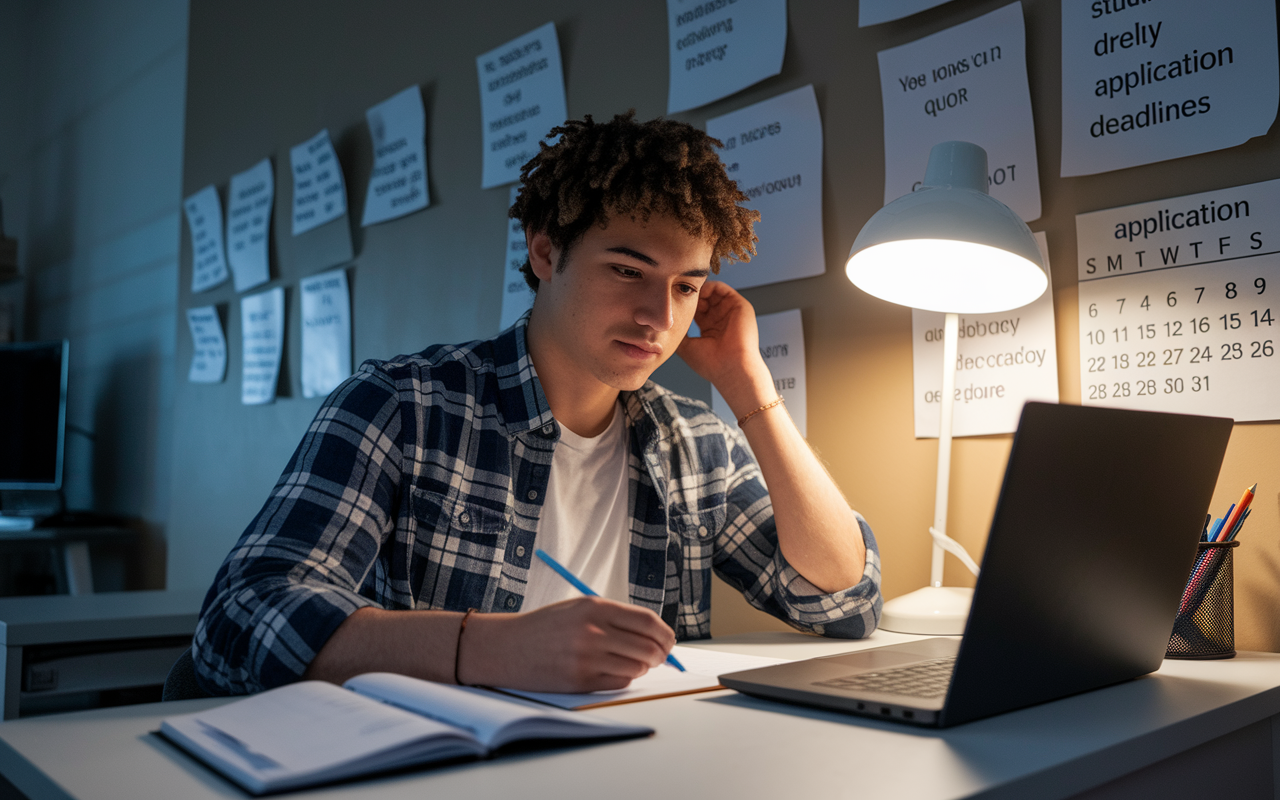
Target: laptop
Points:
(1093, 539)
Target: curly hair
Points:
(599, 170)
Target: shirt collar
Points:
(520, 398)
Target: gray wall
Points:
(265, 76)
(91, 114)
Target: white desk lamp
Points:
(949, 247)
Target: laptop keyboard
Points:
(927, 679)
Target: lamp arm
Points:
(953, 547)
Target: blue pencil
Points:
(585, 589)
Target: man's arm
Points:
(582, 645)
(817, 531)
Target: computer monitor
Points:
(33, 413)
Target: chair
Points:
(181, 681)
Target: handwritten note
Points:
(398, 183)
(209, 354)
(319, 194)
(873, 12)
(517, 297)
(326, 333)
(521, 99)
(208, 259)
(719, 47)
(249, 224)
(773, 149)
(1003, 360)
(262, 332)
(966, 83)
(1144, 81)
(782, 346)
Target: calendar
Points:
(1178, 306)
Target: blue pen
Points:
(585, 589)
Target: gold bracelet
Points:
(764, 407)
(457, 648)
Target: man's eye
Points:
(626, 272)
(687, 289)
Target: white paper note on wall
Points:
(873, 12)
(773, 149)
(319, 194)
(966, 83)
(209, 351)
(1003, 360)
(782, 346)
(249, 224)
(521, 100)
(326, 332)
(1152, 81)
(204, 219)
(398, 183)
(1178, 306)
(517, 297)
(262, 332)
(719, 47)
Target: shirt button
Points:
(702, 530)
(464, 518)
(520, 550)
(650, 577)
(511, 602)
(533, 494)
(548, 429)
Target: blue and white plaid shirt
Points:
(419, 485)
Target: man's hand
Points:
(581, 645)
(728, 352)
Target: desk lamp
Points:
(949, 247)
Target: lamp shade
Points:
(949, 246)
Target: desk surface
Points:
(61, 619)
(723, 744)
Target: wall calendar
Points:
(1178, 306)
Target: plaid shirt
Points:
(419, 485)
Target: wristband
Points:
(764, 407)
(457, 649)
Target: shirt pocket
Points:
(466, 519)
(702, 525)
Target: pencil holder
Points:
(1205, 627)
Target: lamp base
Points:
(934, 610)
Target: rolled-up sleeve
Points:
(296, 572)
(749, 559)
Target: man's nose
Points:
(654, 309)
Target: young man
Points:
(401, 536)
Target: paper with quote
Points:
(873, 12)
(773, 149)
(719, 47)
(326, 332)
(1003, 360)
(1160, 80)
(262, 333)
(319, 195)
(249, 224)
(398, 183)
(782, 346)
(966, 83)
(521, 99)
(208, 258)
(517, 297)
(209, 346)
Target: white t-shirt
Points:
(585, 519)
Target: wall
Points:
(91, 115)
(263, 78)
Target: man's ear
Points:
(542, 254)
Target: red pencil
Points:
(1245, 500)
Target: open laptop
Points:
(1092, 541)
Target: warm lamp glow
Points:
(946, 276)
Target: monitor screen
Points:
(33, 410)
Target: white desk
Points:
(1221, 716)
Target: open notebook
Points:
(312, 732)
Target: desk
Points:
(70, 547)
(103, 641)
(725, 745)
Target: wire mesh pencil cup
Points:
(1205, 626)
